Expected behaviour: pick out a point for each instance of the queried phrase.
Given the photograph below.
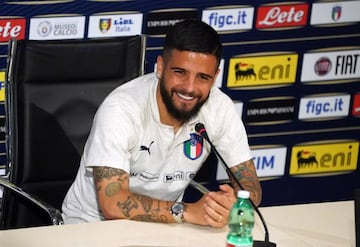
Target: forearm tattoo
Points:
(246, 175)
(133, 202)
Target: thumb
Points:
(226, 189)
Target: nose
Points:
(189, 83)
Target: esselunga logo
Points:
(324, 157)
(268, 70)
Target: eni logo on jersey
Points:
(323, 158)
(269, 70)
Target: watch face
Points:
(177, 207)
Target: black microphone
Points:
(200, 129)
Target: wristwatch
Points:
(177, 211)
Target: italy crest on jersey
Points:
(193, 147)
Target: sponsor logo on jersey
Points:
(229, 20)
(322, 158)
(257, 71)
(193, 147)
(279, 16)
(270, 110)
(178, 176)
(331, 66)
(324, 107)
(57, 28)
(12, 29)
(115, 25)
(333, 13)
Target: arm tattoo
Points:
(101, 173)
(146, 202)
(246, 175)
(126, 206)
(151, 212)
(112, 189)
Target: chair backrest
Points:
(357, 215)
(53, 89)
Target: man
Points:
(143, 150)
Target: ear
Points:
(215, 76)
(159, 66)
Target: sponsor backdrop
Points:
(292, 69)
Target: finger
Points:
(226, 188)
(218, 223)
(222, 199)
(216, 211)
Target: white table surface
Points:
(307, 225)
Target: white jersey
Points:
(127, 134)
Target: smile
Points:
(182, 96)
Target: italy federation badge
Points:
(193, 147)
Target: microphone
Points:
(200, 129)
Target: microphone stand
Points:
(256, 243)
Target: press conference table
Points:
(316, 225)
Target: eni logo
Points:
(267, 70)
(323, 158)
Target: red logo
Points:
(12, 29)
(293, 15)
(356, 105)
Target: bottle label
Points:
(234, 245)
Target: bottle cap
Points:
(243, 194)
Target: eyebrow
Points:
(200, 73)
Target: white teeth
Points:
(185, 97)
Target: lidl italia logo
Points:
(322, 158)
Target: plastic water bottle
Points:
(241, 222)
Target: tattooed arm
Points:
(117, 202)
(246, 174)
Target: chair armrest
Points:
(53, 213)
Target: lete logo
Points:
(293, 15)
(12, 29)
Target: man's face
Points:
(185, 81)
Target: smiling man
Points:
(143, 149)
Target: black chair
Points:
(357, 215)
(53, 89)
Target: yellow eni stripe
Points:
(2, 86)
(262, 70)
(322, 158)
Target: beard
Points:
(180, 114)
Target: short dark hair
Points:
(193, 35)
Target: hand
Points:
(218, 205)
